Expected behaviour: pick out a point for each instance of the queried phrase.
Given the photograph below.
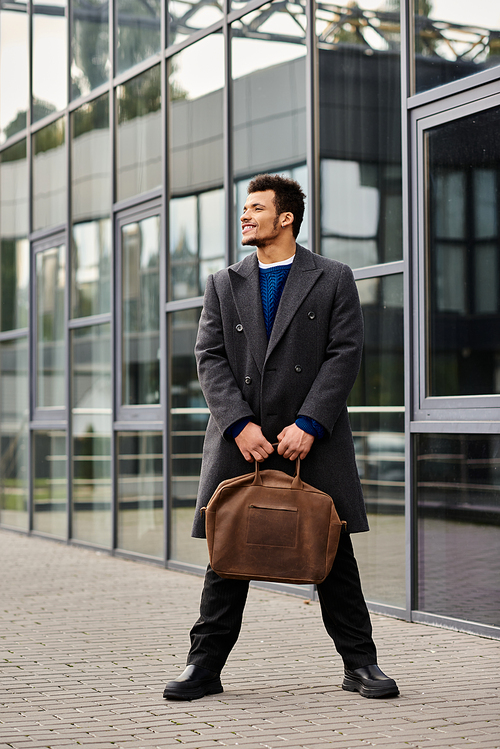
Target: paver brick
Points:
(89, 640)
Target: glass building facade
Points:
(128, 134)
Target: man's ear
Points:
(286, 219)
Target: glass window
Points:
(91, 431)
(268, 51)
(14, 419)
(360, 132)
(14, 247)
(140, 242)
(138, 32)
(50, 346)
(186, 17)
(91, 204)
(49, 176)
(462, 256)
(140, 492)
(189, 415)
(454, 40)
(458, 500)
(49, 483)
(139, 139)
(376, 410)
(50, 49)
(14, 72)
(197, 236)
(90, 66)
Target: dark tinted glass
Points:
(454, 40)
(14, 72)
(189, 416)
(50, 50)
(91, 204)
(376, 411)
(14, 409)
(197, 236)
(90, 66)
(140, 492)
(360, 132)
(138, 32)
(14, 246)
(139, 139)
(458, 493)
(463, 256)
(91, 433)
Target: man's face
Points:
(259, 220)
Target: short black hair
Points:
(288, 196)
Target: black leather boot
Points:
(369, 681)
(193, 683)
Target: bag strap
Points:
(296, 483)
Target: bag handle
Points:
(296, 483)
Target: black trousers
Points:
(343, 608)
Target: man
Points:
(278, 351)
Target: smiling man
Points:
(278, 351)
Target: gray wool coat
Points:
(308, 367)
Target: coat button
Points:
(239, 327)
(298, 368)
(248, 380)
(311, 315)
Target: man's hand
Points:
(294, 442)
(252, 443)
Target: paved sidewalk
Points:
(87, 642)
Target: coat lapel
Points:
(244, 279)
(302, 277)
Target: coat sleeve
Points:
(222, 394)
(328, 394)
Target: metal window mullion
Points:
(406, 48)
(112, 35)
(67, 332)
(312, 127)
(227, 134)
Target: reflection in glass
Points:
(138, 32)
(463, 256)
(197, 236)
(50, 44)
(189, 416)
(50, 485)
(91, 431)
(454, 40)
(140, 492)
(49, 176)
(141, 312)
(186, 17)
(376, 411)
(50, 353)
(139, 139)
(14, 246)
(91, 203)
(14, 73)
(360, 132)
(268, 50)
(14, 419)
(90, 66)
(458, 491)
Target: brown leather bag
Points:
(268, 525)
